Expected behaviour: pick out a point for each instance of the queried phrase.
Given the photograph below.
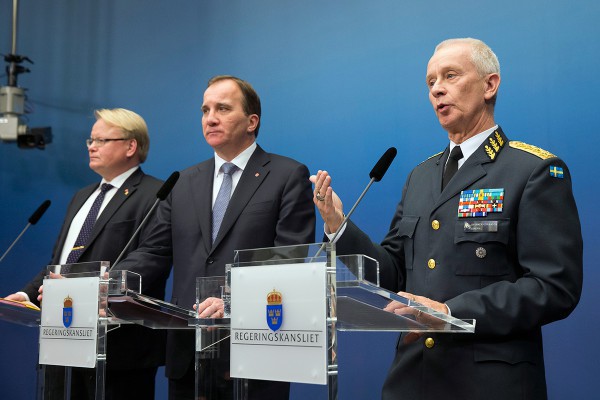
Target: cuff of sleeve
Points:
(25, 295)
(448, 308)
(331, 235)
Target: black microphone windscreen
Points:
(383, 164)
(35, 217)
(166, 188)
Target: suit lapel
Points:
(201, 191)
(473, 169)
(123, 193)
(436, 176)
(80, 198)
(78, 201)
(254, 174)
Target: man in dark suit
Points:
(270, 204)
(118, 144)
(499, 241)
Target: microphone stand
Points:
(339, 229)
(376, 175)
(135, 234)
(35, 217)
(162, 194)
(15, 241)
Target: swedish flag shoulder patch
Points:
(556, 172)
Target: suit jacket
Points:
(513, 269)
(271, 206)
(128, 346)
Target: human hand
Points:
(399, 308)
(104, 290)
(327, 201)
(41, 289)
(41, 294)
(16, 297)
(212, 307)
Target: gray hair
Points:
(484, 59)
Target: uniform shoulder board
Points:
(541, 153)
(430, 157)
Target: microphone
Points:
(37, 214)
(35, 217)
(383, 164)
(166, 188)
(376, 174)
(162, 194)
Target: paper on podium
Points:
(149, 312)
(16, 303)
(18, 313)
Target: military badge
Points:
(556, 172)
(494, 145)
(274, 310)
(480, 202)
(481, 226)
(536, 151)
(68, 312)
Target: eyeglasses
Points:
(100, 142)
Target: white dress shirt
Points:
(240, 161)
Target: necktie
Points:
(88, 225)
(451, 165)
(223, 197)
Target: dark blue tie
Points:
(88, 225)
(223, 197)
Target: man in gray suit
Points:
(269, 204)
(118, 144)
(487, 229)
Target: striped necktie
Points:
(88, 225)
(223, 197)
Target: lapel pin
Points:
(126, 191)
(257, 174)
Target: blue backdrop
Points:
(340, 82)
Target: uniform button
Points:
(480, 252)
(435, 224)
(431, 263)
(429, 343)
(210, 261)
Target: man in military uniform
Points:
(488, 229)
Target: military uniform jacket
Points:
(512, 268)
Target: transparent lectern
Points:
(82, 304)
(283, 308)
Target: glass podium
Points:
(283, 307)
(287, 303)
(77, 314)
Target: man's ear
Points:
(492, 83)
(253, 122)
(132, 149)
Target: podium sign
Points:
(69, 323)
(278, 323)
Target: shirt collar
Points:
(120, 180)
(240, 161)
(469, 146)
